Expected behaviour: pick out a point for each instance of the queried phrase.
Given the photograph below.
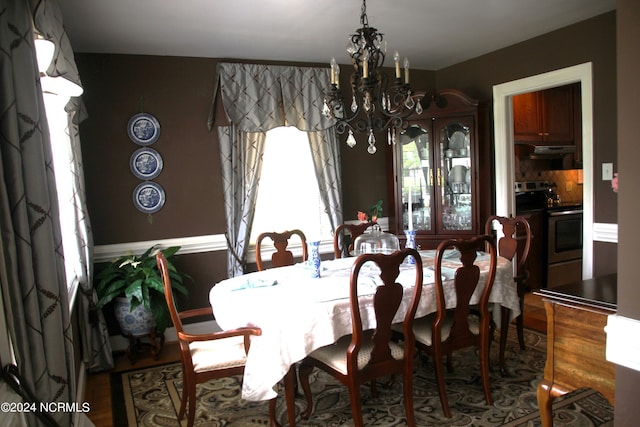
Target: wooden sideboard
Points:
(576, 341)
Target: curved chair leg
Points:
(439, 371)
(303, 374)
(520, 318)
(504, 327)
(484, 368)
(407, 385)
(184, 398)
(356, 405)
(191, 415)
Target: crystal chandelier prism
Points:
(375, 104)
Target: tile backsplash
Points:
(568, 182)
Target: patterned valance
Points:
(257, 98)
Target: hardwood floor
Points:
(98, 389)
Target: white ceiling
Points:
(432, 33)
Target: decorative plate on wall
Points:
(143, 129)
(148, 197)
(146, 163)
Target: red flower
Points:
(362, 217)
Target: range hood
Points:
(547, 151)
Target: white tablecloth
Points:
(298, 314)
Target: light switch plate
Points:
(607, 171)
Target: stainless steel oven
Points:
(564, 235)
(564, 246)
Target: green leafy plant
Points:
(137, 278)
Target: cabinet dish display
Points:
(435, 170)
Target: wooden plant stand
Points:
(137, 345)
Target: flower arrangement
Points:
(375, 211)
(614, 182)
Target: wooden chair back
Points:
(449, 329)
(369, 354)
(466, 279)
(234, 344)
(515, 242)
(386, 302)
(514, 245)
(345, 235)
(281, 257)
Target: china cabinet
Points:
(435, 171)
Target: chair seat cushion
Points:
(335, 355)
(422, 327)
(218, 354)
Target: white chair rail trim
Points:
(216, 242)
(197, 244)
(605, 232)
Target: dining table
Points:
(298, 314)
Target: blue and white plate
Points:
(143, 129)
(146, 163)
(148, 197)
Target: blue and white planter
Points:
(138, 322)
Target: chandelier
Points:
(376, 104)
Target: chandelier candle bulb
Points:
(332, 65)
(406, 71)
(396, 59)
(365, 64)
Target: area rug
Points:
(150, 397)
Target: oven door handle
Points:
(561, 213)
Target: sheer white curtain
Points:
(257, 98)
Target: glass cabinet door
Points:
(416, 178)
(455, 172)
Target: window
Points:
(288, 195)
(57, 91)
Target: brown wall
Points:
(593, 40)
(628, 34)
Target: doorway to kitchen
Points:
(504, 144)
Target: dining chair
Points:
(345, 235)
(514, 245)
(281, 257)
(205, 357)
(453, 328)
(366, 355)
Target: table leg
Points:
(289, 392)
(545, 401)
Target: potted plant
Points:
(135, 283)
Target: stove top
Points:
(531, 186)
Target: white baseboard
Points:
(623, 341)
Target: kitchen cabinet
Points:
(545, 117)
(434, 172)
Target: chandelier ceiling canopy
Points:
(376, 104)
